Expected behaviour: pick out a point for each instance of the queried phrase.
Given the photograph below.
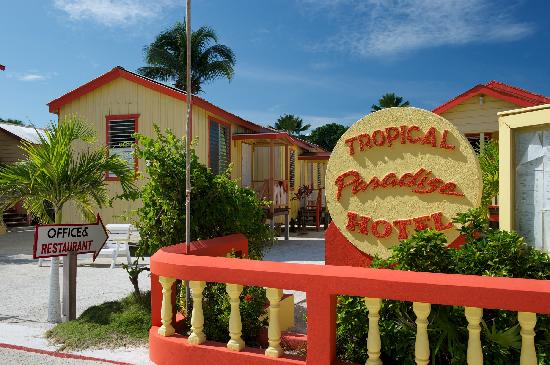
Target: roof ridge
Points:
(522, 90)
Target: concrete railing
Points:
(322, 284)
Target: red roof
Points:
(499, 90)
(118, 71)
(278, 135)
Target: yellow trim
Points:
(508, 121)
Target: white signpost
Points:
(55, 240)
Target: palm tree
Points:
(389, 100)
(291, 124)
(166, 60)
(54, 174)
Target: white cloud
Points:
(389, 27)
(31, 77)
(112, 12)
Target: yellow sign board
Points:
(396, 171)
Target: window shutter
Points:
(220, 154)
(121, 141)
(292, 169)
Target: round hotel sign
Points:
(396, 171)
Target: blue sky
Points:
(324, 60)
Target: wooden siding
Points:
(473, 117)
(9, 148)
(121, 97)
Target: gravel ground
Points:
(13, 356)
(23, 281)
(24, 288)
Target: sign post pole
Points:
(67, 241)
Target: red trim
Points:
(499, 90)
(315, 156)
(277, 135)
(114, 117)
(60, 354)
(228, 125)
(117, 72)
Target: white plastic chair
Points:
(117, 243)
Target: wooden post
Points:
(69, 287)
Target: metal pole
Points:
(187, 147)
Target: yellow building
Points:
(474, 112)
(120, 103)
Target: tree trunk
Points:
(54, 304)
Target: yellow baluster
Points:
(474, 353)
(197, 318)
(374, 345)
(527, 323)
(422, 343)
(166, 309)
(274, 329)
(236, 343)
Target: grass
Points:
(112, 324)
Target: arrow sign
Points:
(54, 240)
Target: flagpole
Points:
(188, 148)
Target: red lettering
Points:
(443, 143)
(392, 134)
(433, 184)
(403, 134)
(44, 248)
(429, 138)
(378, 142)
(390, 180)
(364, 141)
(409, 134)
(450, 189)
(349, 142)
(340, 181)
(387, 228)
(354, 220)
(420, 222)
(49, 248)
(401, 225)
(439, 226)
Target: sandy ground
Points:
(24, 291)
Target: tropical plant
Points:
(292, 124)
(326, 136)
(166, 58)
(488, 161)
(12, 121)
(54, 174)
(490, 252)
(219, 206)
(389, 100)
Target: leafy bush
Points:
(219, 207)
(488, 161)
(486, 252)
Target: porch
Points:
(276, 165)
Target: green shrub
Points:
(486, 252)
(219, 207)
